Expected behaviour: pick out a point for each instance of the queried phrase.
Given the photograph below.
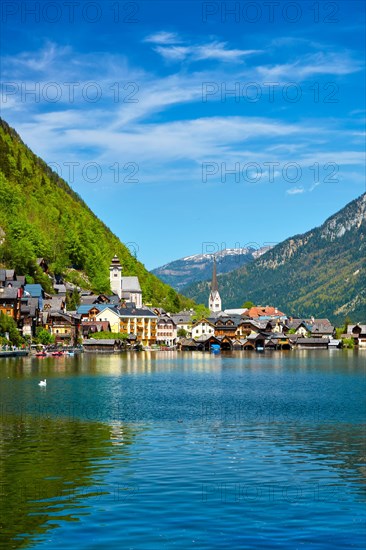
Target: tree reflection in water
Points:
(47, 468)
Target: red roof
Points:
(255, 312)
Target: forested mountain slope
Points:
(41, 216)
(321, 272)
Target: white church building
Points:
(126, 288)
(214, 300)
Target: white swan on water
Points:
(43, 383)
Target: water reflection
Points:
(151, 362)
(48, 468)
(189, 436)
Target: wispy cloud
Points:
(295, 191)
(39, 61)
(218, 51)
(168, 141)
(163, 37)
(172, 47)
(173, 53)
(312, 64)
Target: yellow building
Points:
(141, 322)
(110, 315)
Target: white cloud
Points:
(199, 52)
(312, 64)
(38, 61)
(173, 53)
(163, 38)
(168, 143)
(219, 51)
(295, 191)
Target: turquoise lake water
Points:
(184, 450)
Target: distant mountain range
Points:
(186, 271)
(320, 273)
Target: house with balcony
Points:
(64, 327)
(226, 327)
(166, 331)
(141, 322)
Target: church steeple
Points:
(115, 276)
(214, 285)
(214, 300)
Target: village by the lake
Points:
(121, 321)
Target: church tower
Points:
(115, 276)
(214, 301)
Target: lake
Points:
(184, 450)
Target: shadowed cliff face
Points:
(320, 273)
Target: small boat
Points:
(57, 354)
(41, 354)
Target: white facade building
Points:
(203, 328)
(214, 300)
(126, 288)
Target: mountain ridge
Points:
(198, 267)
(320, 272)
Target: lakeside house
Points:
(204, 327)
(10, 302)
(123, 312)
(102, 345)
(183, 321)
(357, 333)
(166, 331)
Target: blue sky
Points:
(182, 123)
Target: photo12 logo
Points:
(254, 172)
(93, 172)
(70, 12)
(69, 92)
(270, 12)
(271, 92)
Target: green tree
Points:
(201, 312)
(9, 327)
(181, 333)
(248, 304)
(73, 300)
(105, 335)
(44, 337)
(348, 343)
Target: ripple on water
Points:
(184, 453)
